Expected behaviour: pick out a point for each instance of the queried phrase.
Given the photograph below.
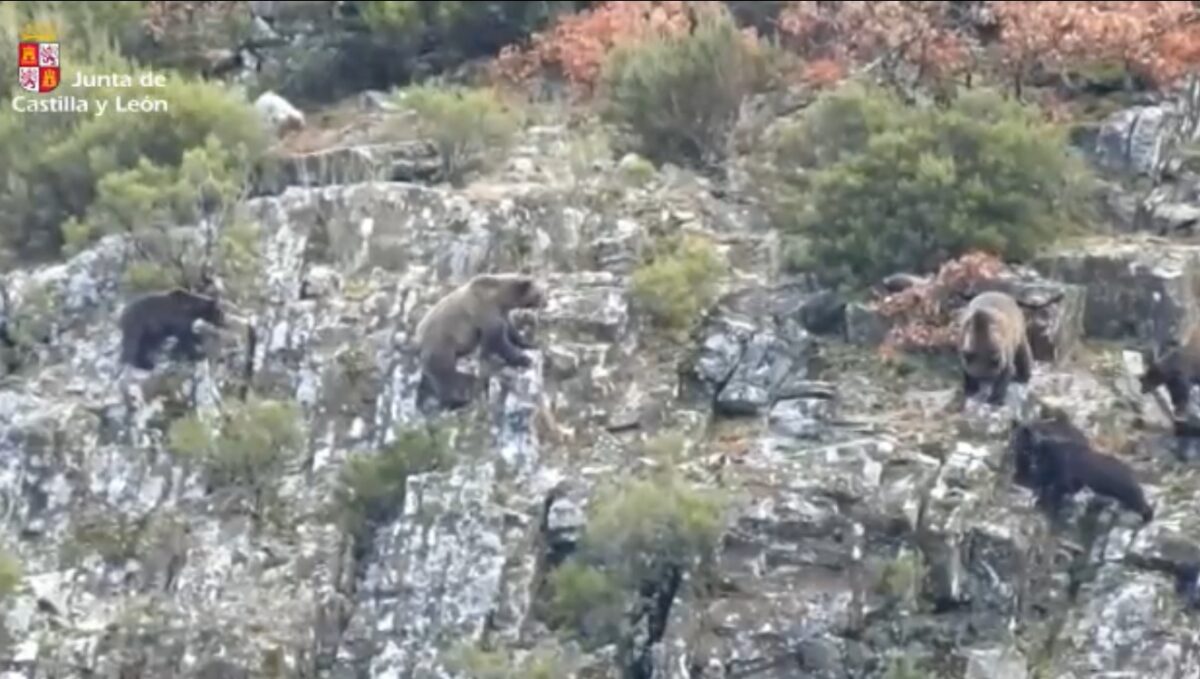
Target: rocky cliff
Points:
(871, 530)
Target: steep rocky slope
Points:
(872, 529)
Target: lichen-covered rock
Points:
(869, 521)
(401, 161)
(1144, 140)
(1143, 291)
(1129, 623)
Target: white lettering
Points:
(152, 79)
(63, 104)
(101, 106)
(102, 80)
(143, 105)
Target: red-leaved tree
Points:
(576, 46)
(1154, 39)
(891, 35)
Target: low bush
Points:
(371, 489)
(469, 126)
(547, 660)
(250, 449)
(678, 94)
(876, 186)
(639, 534)
(679, 283)
(11, 574)
(587, 600)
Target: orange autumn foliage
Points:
(1156, 39)
(577, 45)
(858, 32)
(921, 315)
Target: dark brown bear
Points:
(1056, 460)
(993, 345)
(1178, 369)
(475, 315)
(148, 321)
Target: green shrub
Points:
(638, 532)
(250, 449)
(372, 487)
(469, 126)
(586, 599)
(678, 284)
(636, 171)
(11, 574)
(679, 96)
(545, 661)
(657, 522)
(876, 186)
(901, 577)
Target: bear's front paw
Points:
(520, 361)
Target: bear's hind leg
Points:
(441, 376)
(187, 346)
(138, 348)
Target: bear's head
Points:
(512, 291)
(202, 307)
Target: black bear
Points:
(993, 345)
(148, 321)
(1055, 459)
(475, 315)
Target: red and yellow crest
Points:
(38, 69)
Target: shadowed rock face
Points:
(868, 524)
(1145, 292)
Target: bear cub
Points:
(149, 320)
(475, 315)
(1055, 459)
(993, 346)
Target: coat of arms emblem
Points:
(38, 68)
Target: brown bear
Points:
(1178, 368)
(475, 315)
(993, 345)
(1056, 460)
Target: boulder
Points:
(1144, 291)
(278, 113)
(755, 346)
(415, 161)
(1132, 140)
(1145, 140)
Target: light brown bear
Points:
(993, 345)
(475, 315)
